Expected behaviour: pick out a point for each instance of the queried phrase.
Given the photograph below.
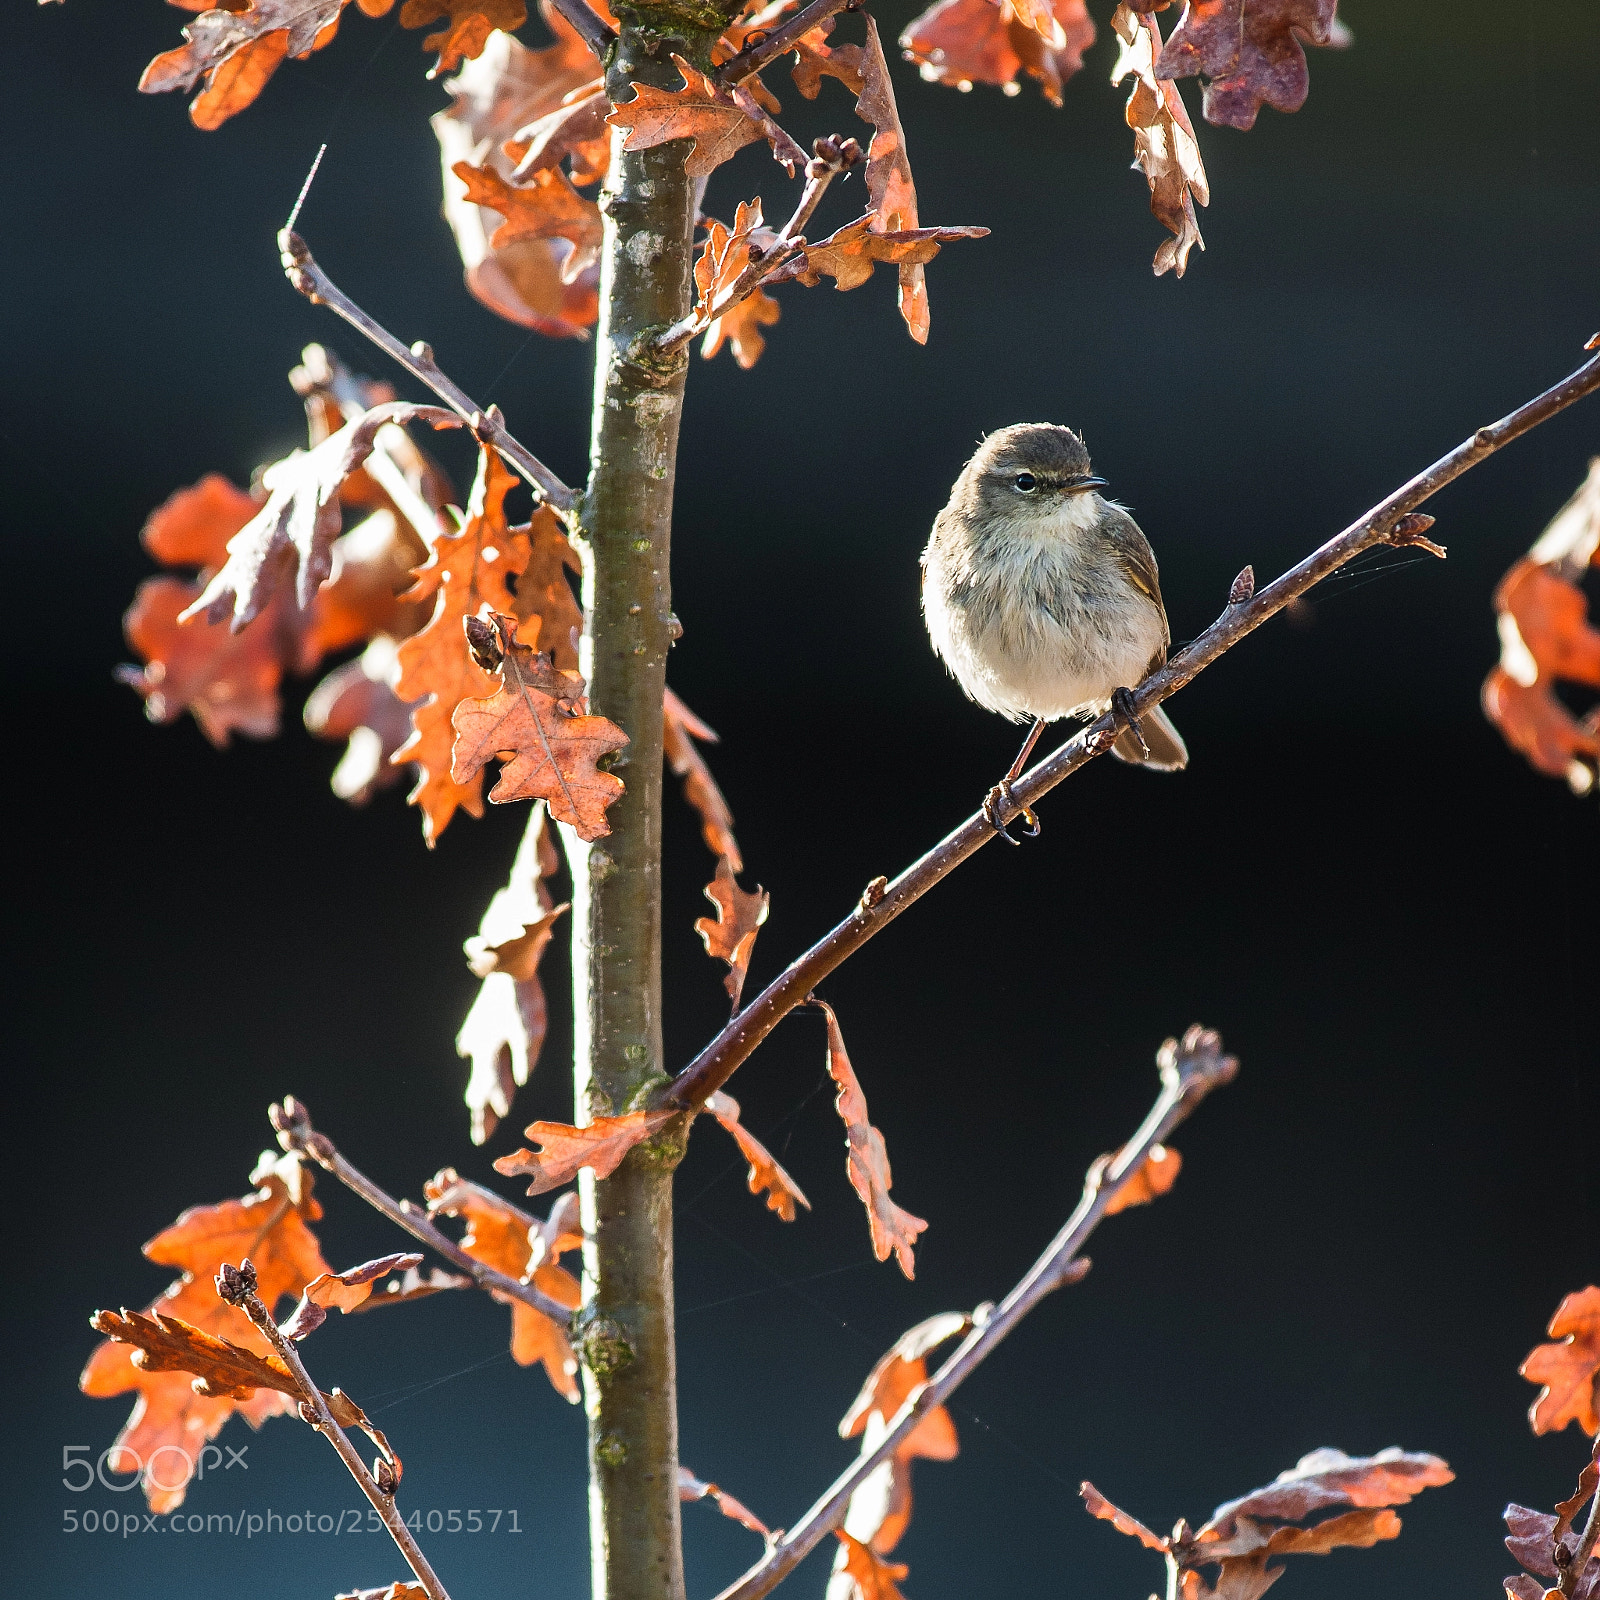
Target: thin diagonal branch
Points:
(768, 48)
(237, 1285)
(830, 157)
(301, 269)
(1190, 1070)
(293, 1123)
(1390, 522)
(589, 26)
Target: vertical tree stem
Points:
(624, 1332)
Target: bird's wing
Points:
(1131, 548)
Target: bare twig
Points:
(301, 269)
(1387, 523)
(769, 47)
(589, 25)
(295, 1132)
(830, 157)
(237, 1285)
(1190, 1070)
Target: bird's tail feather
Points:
(1168, 752)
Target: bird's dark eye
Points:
(1026, 482)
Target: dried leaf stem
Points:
(295, 1132)
(238, 1287)
(589, 25)
(1190, 1070)
(1574, 1570)
(1390, 522)
(830, 157)
(768, 48)
(301, 269)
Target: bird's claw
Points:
(999, 796)
(1122, 708)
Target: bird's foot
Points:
(999, 796)
(1122, 709)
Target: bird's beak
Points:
(1084, 484)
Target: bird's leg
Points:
(1122, 707)
(1001, 793)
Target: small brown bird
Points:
(1043, 600)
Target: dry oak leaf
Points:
(344, 1291)
(506, 1238)
(467, 26)
(297, 526)
(1250, 51)
(237, 51)
(575, 129)
(504, 1030)
(891, 1227)
(680, 728)
(564, 1151)
(849, 254)
(170, 1422)
(963, 42)
(1570, 1368)
(413, 1284)
(398, 1590)
(535, 726)
(545, 207)
(468, 571)
(872, 1577)
(731, 935)
(1156, 1175)
(693, 1488)
(722, 261)
(1534, 1537)
(370, 574)
(739, 327)
(549, 617)
(356, 702)
(767, 1175)
(1164, 146)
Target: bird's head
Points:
(1031, 468)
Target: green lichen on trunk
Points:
(624, 1333)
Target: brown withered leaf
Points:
(1156, 1175)
(872, 1576)
(506, 1238)
(731, 935)
(1569, 1369)
(575, 130)
(963, 42)
(364, 594)
(722, 260)
(467, 571)
(849, 254)
(504, 1031)
(549, 617)
(398, 1590)
(414, 1284)
(343, 1291)
(545, 207)
(693, 1488)
(739, 327)
(1251, 52)
(564, 1151)
(881, 1508)
(467, 26)
(535, 726)
(891, 1227)
(1164, 146)
(767, 1175)
(236, 51)
(680, 728)
(295, 529)
(192, 527)
(356, 702)
(170, 1422)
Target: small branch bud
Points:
(1244, 586)
(483, 640)
(1410, 529)
(236, 1284)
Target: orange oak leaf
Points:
(1164, 147)
(414, 1284)
(739, 327)
(536, 727)
(767, 1175)
(1157, 1173)
(506, 1238)
(343, 1291)
(545, 207)
(504, 1030)
(723, 259)
(467, 571)
(575, 130)
(692, 1488)
(1534, 1537)
(549, 617)
(564, 1151)
(731, 935)
(881, 1508)
(891, 1227)
(295, 529)
(356, 702)
(170, 1422)
(1569, 1369)
(680, 728)
(1251, 52)
(849, 254)
(397, 1590)
(963, 42)
(871, 1576)
(365, 591)
(467, 26)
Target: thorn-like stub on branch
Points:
(1244, 587)
(483, 641)
(308, 1415)
(1196, 1062)
(1073, 1271)
(236, 1284)
(1593, 343)
(1483, 438)
(1410, 529)
(383, 1476)
(874, 892)
(423, 351)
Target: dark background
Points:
(1389, 917)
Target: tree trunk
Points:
(624, 1333)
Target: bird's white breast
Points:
(1048, 622)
